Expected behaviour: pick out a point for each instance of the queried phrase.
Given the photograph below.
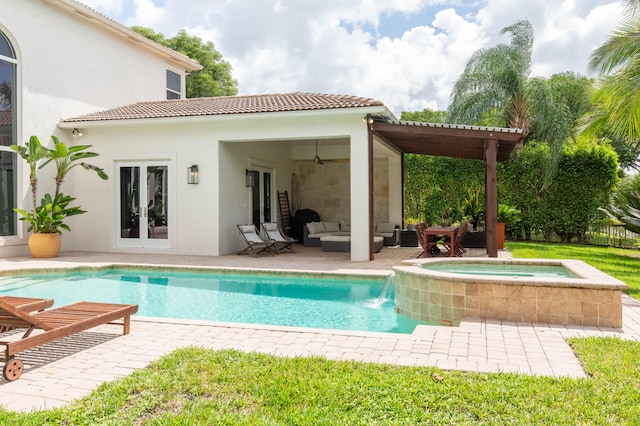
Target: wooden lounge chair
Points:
(256, 244)
(55, 324)
(272, 231)
(27, 304)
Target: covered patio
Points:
(488, 144)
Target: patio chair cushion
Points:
(315, 227)
(331, 226)
(385, 227)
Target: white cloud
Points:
(334, 46)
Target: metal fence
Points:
(613, 236)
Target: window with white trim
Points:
(8, 131)
(174, 85)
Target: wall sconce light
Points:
(76, 132)
(249, 178)
(192, 174)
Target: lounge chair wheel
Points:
(13, 369)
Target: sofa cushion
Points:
(385, 227)
(315, 227)
(345, 227)
(331, 226)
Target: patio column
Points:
(360, 195)
(491, 195)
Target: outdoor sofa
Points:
(314, 231)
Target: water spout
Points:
(387, 290)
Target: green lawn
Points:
(194, 386)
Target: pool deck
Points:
(64, 371)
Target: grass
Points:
(193, 386)
(622, 264)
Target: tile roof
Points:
(225, 105)
(6, 116)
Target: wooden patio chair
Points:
(429, 243)
(458, 237)
(272, 231)
(55, 324)
(27, 304)
(256, 244)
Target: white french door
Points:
(143, 204)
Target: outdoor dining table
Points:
(449, 231)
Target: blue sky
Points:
(407, 53)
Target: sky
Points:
(407, 53)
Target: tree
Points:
(215, 77)
(426, 116)
(491, 89)
(617, 61)
(496, 89)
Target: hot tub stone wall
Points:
(447, 301)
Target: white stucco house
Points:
(80, 76)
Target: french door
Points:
(261, 195)
(143, 204)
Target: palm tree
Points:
(496, 89)
(618, 96)
(491, 90)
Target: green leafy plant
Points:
(67, 157)
(508, 214)
(625, 207)
(48, 217)
(472, 206)
(627, 214)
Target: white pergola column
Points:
(360, 191)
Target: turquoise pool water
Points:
(503, 270)
(256, 299)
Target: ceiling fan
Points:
(317, 159)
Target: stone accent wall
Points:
(445, 301)
(326, 189)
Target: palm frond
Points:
(618, 49)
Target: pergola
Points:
(490, 144)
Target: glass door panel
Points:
(129, 202)
(143, 219)
(261, 196)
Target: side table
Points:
(408, 238)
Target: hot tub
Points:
(443, 291)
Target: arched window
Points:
(8, 132)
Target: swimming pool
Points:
(301, 301)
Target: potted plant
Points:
(411, 223)
(506, 214)
(472, 207)
(47, 219)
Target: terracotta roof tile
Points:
(6, 117)
(225, 105)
